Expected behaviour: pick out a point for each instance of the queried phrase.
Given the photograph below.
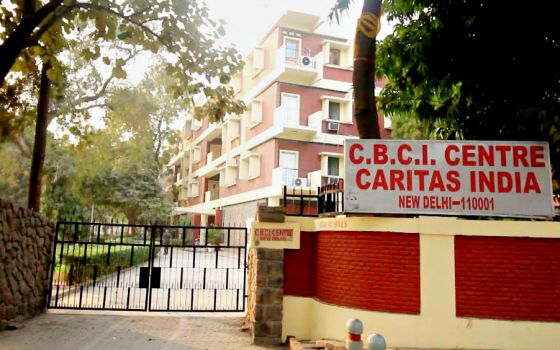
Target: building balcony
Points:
(211, 195)
(178, 181)
(289, 124)
(301, 68)
(290, 178)
(213, 131)
(210, 157)
(176, 158)
(211, 168)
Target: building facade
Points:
(297, 85)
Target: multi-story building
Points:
(297, 85)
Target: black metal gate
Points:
(101, 266)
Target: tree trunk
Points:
(39, 147)
(363, 78)
(18, 39)
(131, 215)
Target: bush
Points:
(97, 256)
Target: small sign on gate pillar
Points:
(275, 235)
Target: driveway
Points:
(129, 330)
(201, 281)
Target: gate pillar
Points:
(265, 295)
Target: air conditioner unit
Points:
(306, 60)
(300, 182)
(332, 126)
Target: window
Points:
(250, 166)
(288, 161)
(290, 105)
(333, 166)
(258, 58)
(337, 109)
(196, 154)
(334, 56)
(228, 175)
(193, 189)
(256, 112)
(334, 110)
(292, 49)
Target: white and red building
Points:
(297, 85)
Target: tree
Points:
(34, 32)
(40, 144)
(457, 65)
(146, 112)
(363, 76)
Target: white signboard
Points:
(484, 178)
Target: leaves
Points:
(180, 30)
(449, 64)
(124, 35)
(119, 72)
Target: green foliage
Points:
(18, 105)
(97, 254)
(214, 236)
(13, 174)
(478, 69)
(184, 222)
(108, 32)
(338, 9)
(406, 128)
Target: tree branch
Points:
(22, 144)
(97, 105)
(134, 14)
(141, 25)
(62, 12)
(17, 40)
(127, 19)
(103, 88)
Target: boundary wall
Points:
(26, 247)
(425, 282)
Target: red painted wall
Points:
(266, 150)
(299, 267)
(335, 73)
(508, 278)
(375, 271)
(311, 43)
(308, 154)
(310, 102)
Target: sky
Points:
(248, 21)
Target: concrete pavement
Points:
(130, 330)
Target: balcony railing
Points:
(324, 200)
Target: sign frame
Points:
(458, 178)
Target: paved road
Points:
(126, 331)
(182, 286)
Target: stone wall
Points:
(25, 250)
(266, 294)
